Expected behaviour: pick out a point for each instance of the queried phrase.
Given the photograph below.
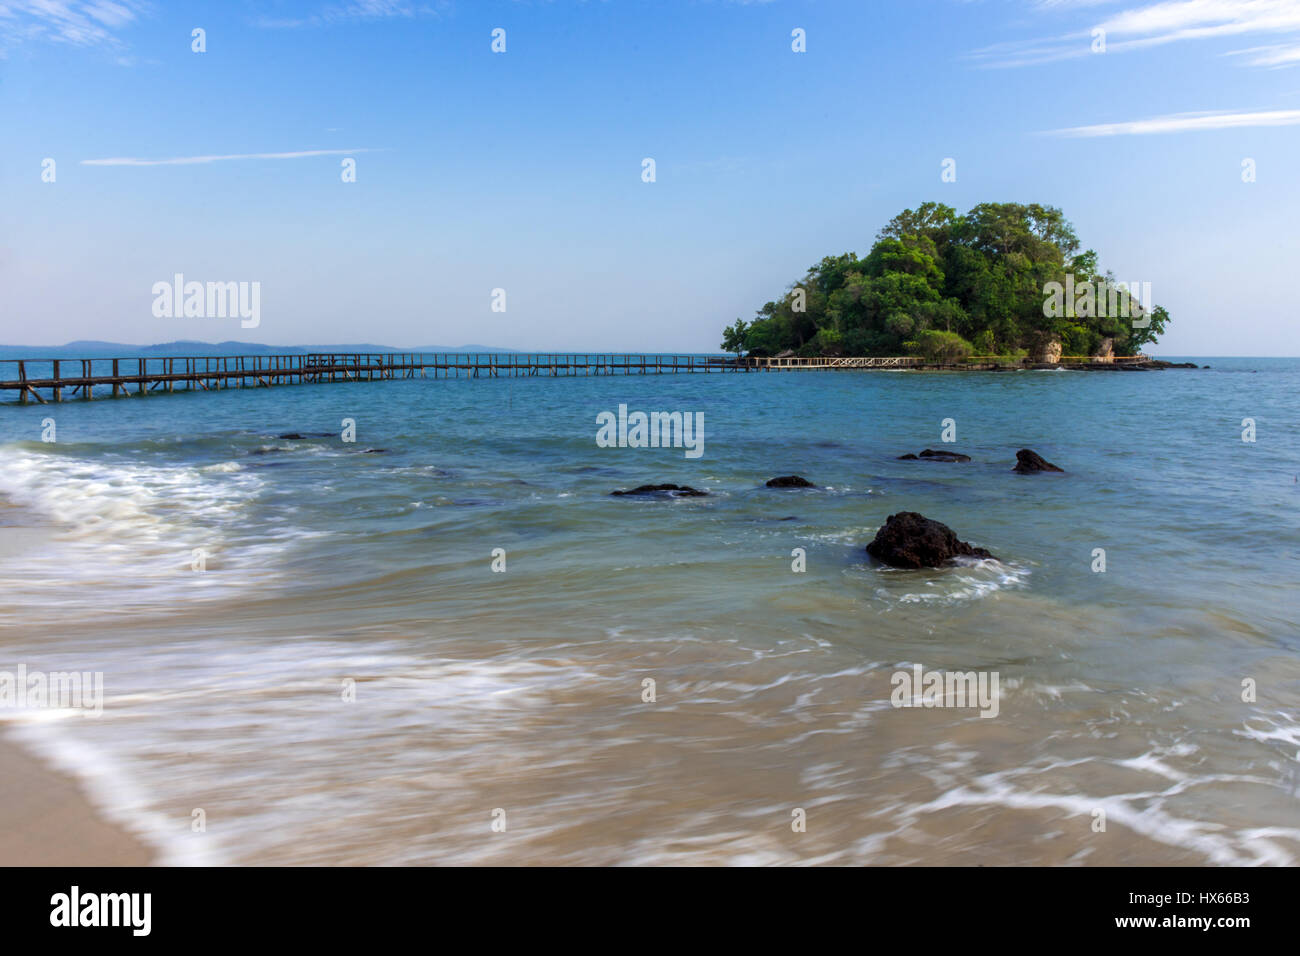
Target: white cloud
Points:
(1185, 122)
(194, 160)
(78, 22)
(1156, 24)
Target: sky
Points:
(522, 170)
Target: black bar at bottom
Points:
(925, 909)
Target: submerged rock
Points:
(931, 455)
(292, 436)
(911, 540)
(790, 481)
(1029, 462)
(671, 491)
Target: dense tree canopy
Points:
(1004, 279)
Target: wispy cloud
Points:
(78, 22)
(1185, 122)
(357, 10)
(195, 160)
(1274, 55)
(1158, 24)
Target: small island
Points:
(1004, 284)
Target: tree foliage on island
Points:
(947, 286)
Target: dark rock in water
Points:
(298, 436)
(1029, 462)
(944, 455)
(931, 455)
(911, 540)
(671, 491)
(374, 451)
(790, 481)
(292, 436)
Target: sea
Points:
(446, 642)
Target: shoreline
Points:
(46, 818)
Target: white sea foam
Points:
(121, 498)
(112, 520)
(1281, 727)
(1143, 812)
(964, 580)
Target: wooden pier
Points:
(54, 380)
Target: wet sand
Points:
(46, 820)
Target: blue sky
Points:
(522, 170)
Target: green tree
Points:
(733, 337)
(939, 346)
(1138, 337)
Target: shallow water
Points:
(522, 691)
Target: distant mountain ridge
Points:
(95, 349)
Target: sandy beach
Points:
(46, 820)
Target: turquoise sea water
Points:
(522, 690)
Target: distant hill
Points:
(95, 349)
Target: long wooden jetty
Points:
(54, 380)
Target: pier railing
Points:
(1103, 359)
(56, 379)
(903, 361)
(915, 361)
